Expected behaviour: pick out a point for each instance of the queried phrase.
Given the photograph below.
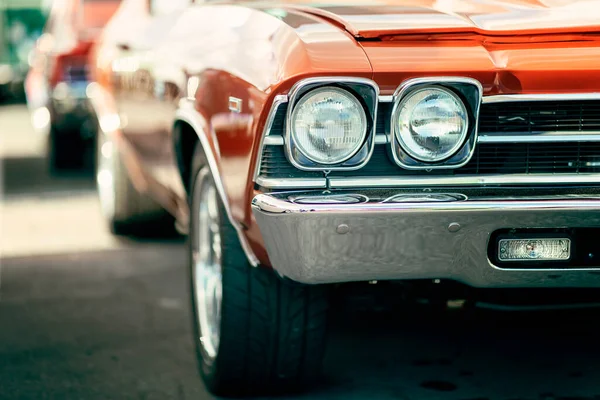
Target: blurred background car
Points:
(21, 23)
(58, 79)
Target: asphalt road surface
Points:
(84, 315)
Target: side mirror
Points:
(165, 7)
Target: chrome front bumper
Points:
(320, 237)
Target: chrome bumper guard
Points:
(329, 237)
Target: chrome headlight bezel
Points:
(468, 91)
(401, 133)
(365, 91)
(341, 93)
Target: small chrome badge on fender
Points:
(235, 104)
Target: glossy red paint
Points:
(206, 54)
(242, 54)
(552, 67)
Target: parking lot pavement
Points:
(86, 316)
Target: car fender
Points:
(186, 113)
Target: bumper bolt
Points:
(454, 227)
(342, 229)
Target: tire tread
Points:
(283, 344)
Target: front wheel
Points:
(255, 333)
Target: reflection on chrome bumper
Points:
(319, 237)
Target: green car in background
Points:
(21, 23)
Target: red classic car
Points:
(301, 145)
(58, 79)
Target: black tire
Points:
(65, 151)
(132, 213)
(272, 332)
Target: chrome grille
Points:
(275, 165)
(540, 116)
(535, 158)
(489, 159)
(520, 118)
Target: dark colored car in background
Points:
(21, 23)
(57, 82)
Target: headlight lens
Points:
(328, 125)
(432, 124)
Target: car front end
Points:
(455, 177)
(418, 143)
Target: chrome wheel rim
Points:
(206, 256)
(105, 174)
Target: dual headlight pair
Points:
(329, 125)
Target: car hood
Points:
(372, 19)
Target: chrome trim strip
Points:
(542, 137)
(467, 180)
(269, 203)
(277, 101)
(405, 87)
(188, 114)
(296, 89)
(386, 99)
(507, 98)
(381, 139)
(273, 140)
(292, 183)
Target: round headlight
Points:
(328, 125)
(431, 124)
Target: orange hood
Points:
(372, 19)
